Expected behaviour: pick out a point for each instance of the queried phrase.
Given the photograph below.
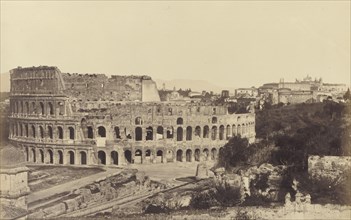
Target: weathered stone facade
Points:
(80, 119)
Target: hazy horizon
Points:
(229, 44)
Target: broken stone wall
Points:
(330, 167)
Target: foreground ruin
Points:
(87, 119)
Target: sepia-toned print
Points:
(175, 110)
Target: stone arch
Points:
(149, 133)
(26, 104)
(60, 155)
(179, 134)
(197, 154)
(34, 156)
(213, 153)
(21, 130)
(198, 131)
(41, 154)
(159, 133)
(102, 157)
(33, 134)
(128, 156)
(148, 155)
(169, 155)
(50, 133)
(228, 131)
(33, 108)
(214, 120)
(83, 157)
(21, 110)
(60, 132)
(26, 129)
(70, 155)
(206, 132)
(180, 155)
(51, 156)
(221, 132)
(41, 108)
(27, 153)
(189, 133)
(239, 130)
(214, 133)
(170, 132)
(102, 131)
(159, 156)
(41, 131)
(50, 109)
(138, 121)
(206, 154)
(90, 132)
(114, 157)
(138, 157)
(234, 130)
(179, 121)
(71, 133)
(138, 133)
(188, 155)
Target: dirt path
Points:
(68, 186)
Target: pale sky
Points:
(235, 43)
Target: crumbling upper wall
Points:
(36, 80)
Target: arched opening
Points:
(41, 154)
(127, 133)
(61, 108)
(71, 133)
(228, 132)
(239, 130)
(21, 108)
(50, 133)
(41, 132)
(27, 154)
(243, 129)
(149, 133)
(179, 155)
(148, 155)
(60, 154)
(128, 156)
(170, 132)
(26, 129)
(33, 108)
(102, 157)
(206, 154)
(138, 134)
(42, 109)
(197, 154)
(90, 132)
(83, 158)
(50, 108)
(114, 157)
(188, 155)
(221, 132)
(234, 131)
(71, 157)
(214, 120)
(159, 156)
(51, 157)
(197, 131)
(117, 133)
(159, 133)
(27, 108)
(206, 132)
(213, 153)
(102, 131)
(189, 133)
(214, 133)
(60, 132)
(33, 131)
(179, 121)
(21, 130)
(138, 121)
(138, 157)
(34, 156)
(179, 134)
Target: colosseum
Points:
(93, 119)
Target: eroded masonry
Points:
(62, 118)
